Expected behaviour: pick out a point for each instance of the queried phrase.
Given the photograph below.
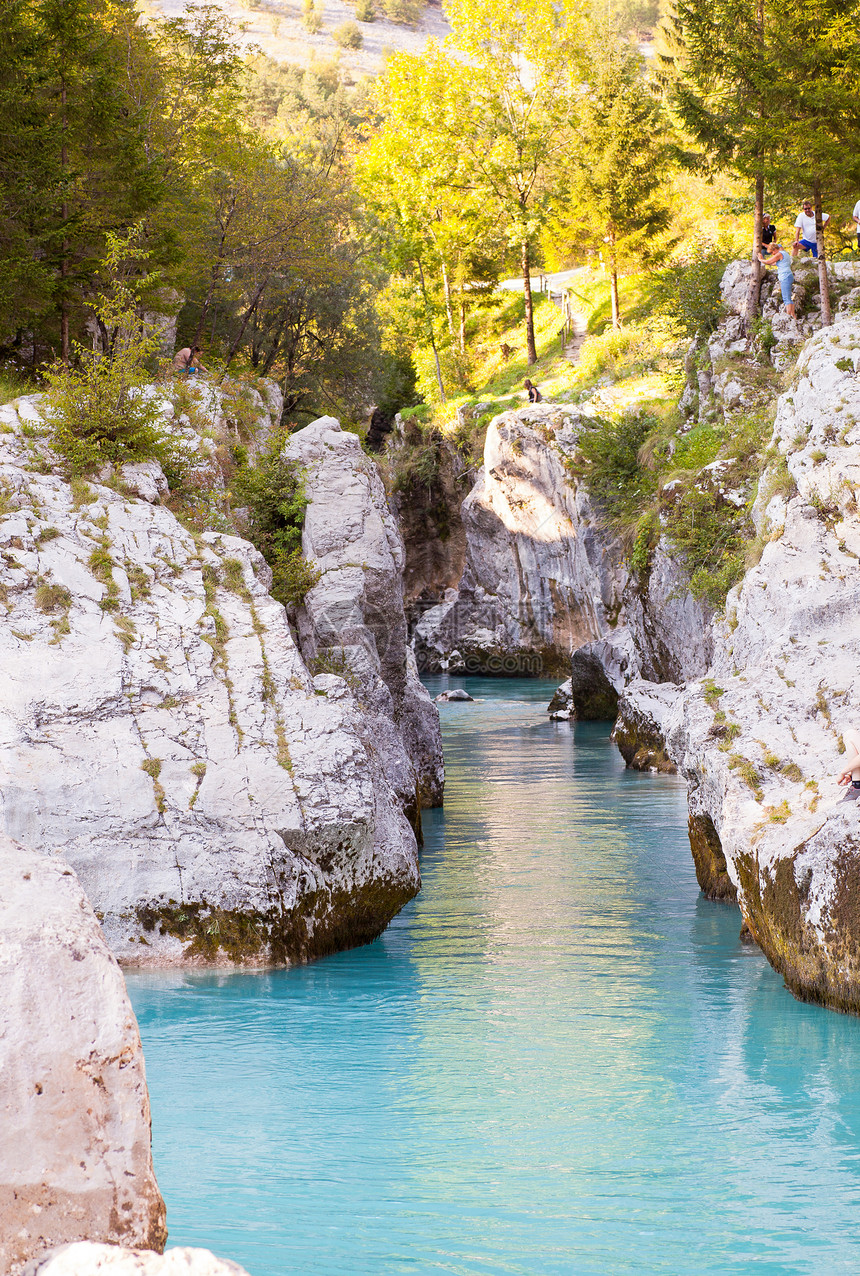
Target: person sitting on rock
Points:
(768, 230)
(805, 231)
(534, 393)
(850, 773)
(187, 360)
(776, 255)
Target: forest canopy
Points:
(344, 238)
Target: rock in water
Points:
(159, 728)
(562, 699)
(353, 621)
(456, 694)
(599, 672)
(75, 1160)
(760, 742)
(86, 1259)
(644, 710)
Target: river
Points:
(559, 1058)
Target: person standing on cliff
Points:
(776, 255)
(850, 773)
(856, 219)
(805, 234)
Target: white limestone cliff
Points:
(543, 578)
(354, 618)
(75, 1159)
(160, 730)
(760, 739)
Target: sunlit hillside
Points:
(281, 29)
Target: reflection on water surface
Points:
(558, 1059)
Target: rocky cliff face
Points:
(760, 739)
(160, 730)
(542, 577)
(353, 619)
(75, 1159)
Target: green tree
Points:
(430, 223)
(511, 131)
(99, 409)
(622, 156)
(72, 148)
(725, 82)
(820, 116)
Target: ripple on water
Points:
(558, 1058)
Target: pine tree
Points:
(622, 156)
(725, 82)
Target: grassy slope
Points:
(643, 464)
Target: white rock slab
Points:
(75, 1159)
(88, 1259)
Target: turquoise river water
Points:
(557, 1059)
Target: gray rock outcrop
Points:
(75, 1160)
(543, 578)
(760, 739)
(353, 618)
(645, 711)
(160, 730)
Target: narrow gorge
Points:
(194, 776)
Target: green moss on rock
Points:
(323, 922)
(711, 869)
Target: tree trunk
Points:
(215, 273)
(65, 345)
(755, 277)
(613, 278)
(462, 326)
(429, 319)
(823, 280)
(531, 349)
(446, 286)
(255, 301)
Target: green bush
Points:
(274, 493)
(312, 16)
(365, 11)
(406, 12)
(619, 485)
(689, 289)
(610, 350)
(348, 35)
(712, 536)
(98, 409)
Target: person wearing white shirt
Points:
(804, 229)
(856, 216)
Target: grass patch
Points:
(13, 385)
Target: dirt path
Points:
(578, 334)
(578, 324)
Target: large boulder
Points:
(761, 739)
(160, 729)
(353, 619)
(599, 673)
(644, 712)
(735, 286)
(75, 1159)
